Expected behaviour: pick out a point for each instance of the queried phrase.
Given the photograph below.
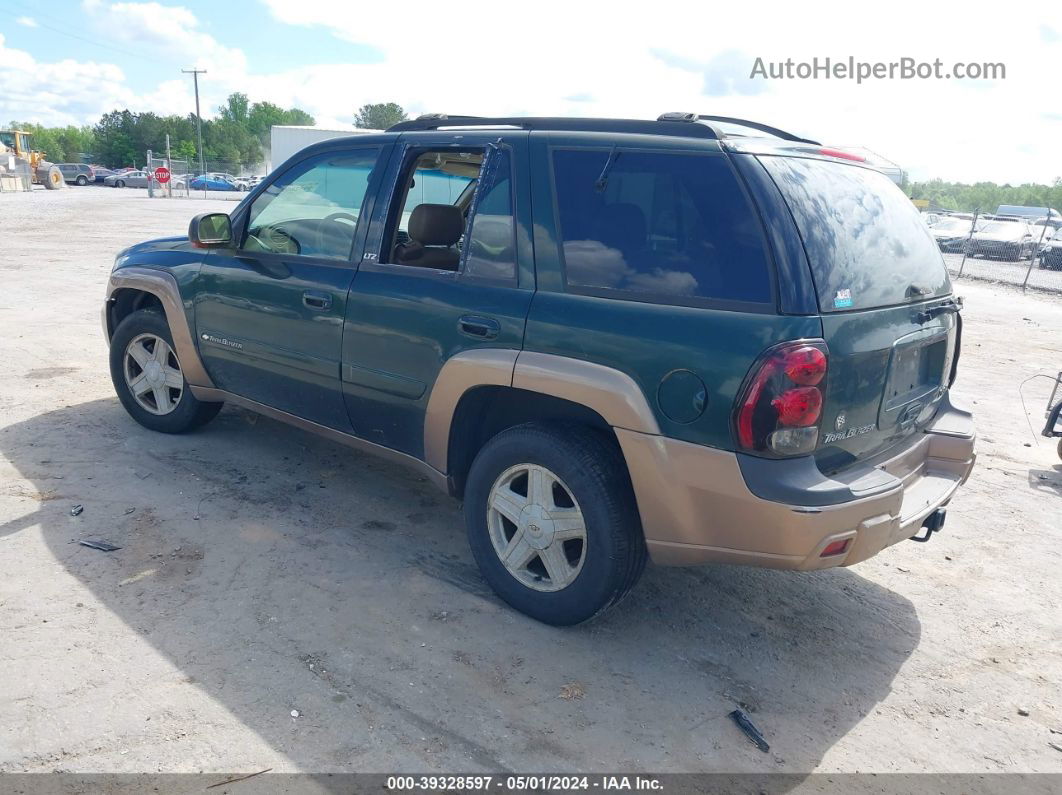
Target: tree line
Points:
(239, 134)
(986, 196)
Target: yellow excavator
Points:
(21, 166)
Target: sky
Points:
(69, 61)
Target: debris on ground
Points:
(1023, 712)
(238, 778)
(572, 691)
(76, 510)
(746, 725)
(295, 713)
(102, 546)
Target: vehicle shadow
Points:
(278, 571)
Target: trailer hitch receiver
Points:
(933, 524)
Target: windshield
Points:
(1001, 227)
(865, 241)
(953, 225)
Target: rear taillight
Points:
(778, 410)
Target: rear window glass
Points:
(667, 227)
(867, 244)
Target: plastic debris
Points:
(745, 724)
(76, 510)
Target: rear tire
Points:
(148, 379)
(82, 181)
(576, 521)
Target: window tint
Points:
(312, 209)
(664, 226)
(491, 243)
(866, 242)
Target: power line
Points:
(93, 42)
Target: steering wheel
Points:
(322, 235)
(274, 239)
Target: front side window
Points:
(658, 226)
(312, 209)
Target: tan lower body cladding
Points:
(696, 507)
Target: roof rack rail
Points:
(752, 125)
(435, 121)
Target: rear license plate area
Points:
(916, 373)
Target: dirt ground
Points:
(265, 573)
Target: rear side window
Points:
(867, 245)
(674, 228)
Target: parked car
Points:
(241, 183)
(100, 173)
(1051, 255)
(77, 173)
(1042, 234)
(718, 349)
(1010, 240)
(951, 232)
(212, 183)
(127, 179)
(252, 182)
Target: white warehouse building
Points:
(286, 140)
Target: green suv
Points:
(696, 339)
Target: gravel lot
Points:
(1004, 272)
(266, 573)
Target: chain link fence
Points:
(1016, 247)
(185, 183)
(180, 177)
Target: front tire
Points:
(552, 521)
(148, 378)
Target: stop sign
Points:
(162, 174)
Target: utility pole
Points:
(198, 119)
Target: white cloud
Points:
(59, 93)
(27, 22)
(170, 32)
(571, 58)
(682, 56)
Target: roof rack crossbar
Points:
(755, 125)
(436, 121)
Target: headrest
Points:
(436, 224)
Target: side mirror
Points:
(210, 230)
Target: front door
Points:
(447, 267)
(269, 311)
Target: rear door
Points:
(888, 316)
(404, 321)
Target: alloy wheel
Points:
(536, 527)
(153, 374)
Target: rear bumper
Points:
(696, 506)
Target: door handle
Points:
(318, 301)
(483, 328)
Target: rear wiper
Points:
(602, 180)
(954, 305)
